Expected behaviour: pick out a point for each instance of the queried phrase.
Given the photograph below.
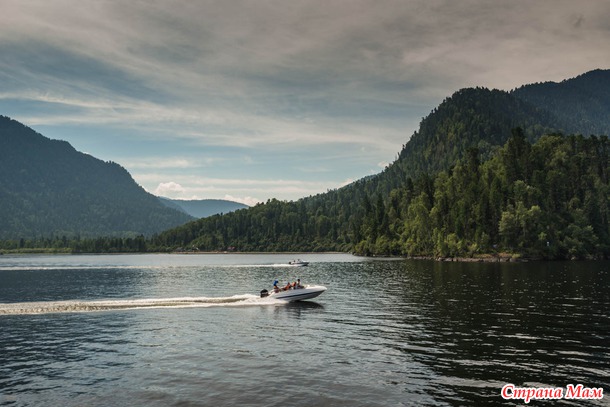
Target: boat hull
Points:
(299, 294)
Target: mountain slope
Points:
(484, 119)
(474, 117)
(202, 208)
(47, 188)
(582, 102)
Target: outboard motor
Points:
(264, 293)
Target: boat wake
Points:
(275, 265)
(52, 307)
(113, 267)
(66, 267)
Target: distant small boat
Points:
(298, 263)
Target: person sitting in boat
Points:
(288, 286)
(298, 284)
(276, 289)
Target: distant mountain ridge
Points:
(202, 208)
(48, 189)
(585, 100)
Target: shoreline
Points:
(484, 258)
(504, 258)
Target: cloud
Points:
(244, 46)
(169, 189)
(319, 79)
(189, 186)
(248, 200)
(244, 70)
(180, 163)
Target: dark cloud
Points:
(281, 74)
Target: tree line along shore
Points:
(543, 200)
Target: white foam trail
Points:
(148, 267)
(79, 267)
(51, 307)
(277, 265)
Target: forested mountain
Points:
(583, 103)
(48, 189)
(549, 199)
(467, 182)
(202, 208)
(484, 119)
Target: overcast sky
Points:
(251, 100)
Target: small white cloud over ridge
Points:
(169, 190)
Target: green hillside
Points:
(582, 102)
(463, 158)
(48, 189)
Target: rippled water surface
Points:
(190, 330)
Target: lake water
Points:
(191, 330)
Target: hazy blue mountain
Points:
(47, 188)
(202, 208)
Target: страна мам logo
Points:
(570, 392)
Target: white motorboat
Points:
(298, 263)
(295, 294)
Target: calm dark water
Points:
(190, 331)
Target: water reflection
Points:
(300, 309)
(481, 326)
(39, 352)
(385, 333)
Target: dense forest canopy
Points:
(581, 105)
